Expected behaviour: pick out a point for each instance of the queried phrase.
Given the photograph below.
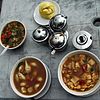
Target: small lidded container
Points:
(58, 23)
(41, 34)
(82, 40)
(58, 41)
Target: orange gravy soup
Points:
(80, 72)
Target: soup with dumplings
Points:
(29, 76)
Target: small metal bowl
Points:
(82, 40)
(58, 23)
(40, 34)
(58, 41)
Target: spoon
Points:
(6, 48)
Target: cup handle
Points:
(6, 48)
(53, 52)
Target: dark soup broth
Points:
(80, 72)
(29, 76)
(12, 34)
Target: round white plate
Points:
(43, 21)
(45, 90)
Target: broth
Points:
(80, 72)
(12, 34)
(29, 76)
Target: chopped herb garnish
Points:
(13, 30)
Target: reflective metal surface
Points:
(82, 40)
(58, 22)
(40, 34)
(58, 41)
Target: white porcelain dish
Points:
(43, 21)
(12, 81)
(86, 93)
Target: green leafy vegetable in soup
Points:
(13, 34)
(80, 72)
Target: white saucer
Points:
(43, 21)
(47, 86)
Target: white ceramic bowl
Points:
(86, 93)
(4, 27)
(12, 75)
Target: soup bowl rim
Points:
(12, 75)
(8, 22)
(65, 87)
